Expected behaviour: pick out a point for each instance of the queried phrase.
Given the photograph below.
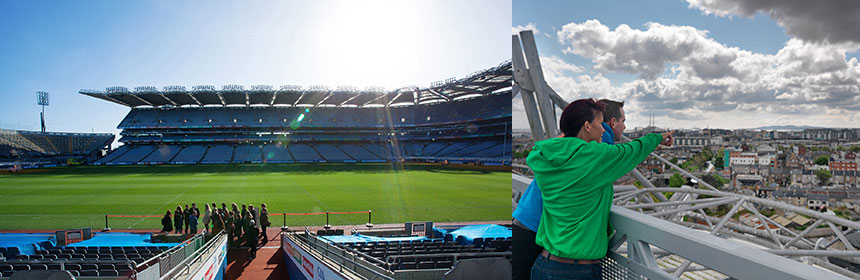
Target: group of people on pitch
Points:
(561, 225)
(245, 224)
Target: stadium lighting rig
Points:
(43, 98)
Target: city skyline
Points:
(704, 64)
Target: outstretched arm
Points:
(617, 160)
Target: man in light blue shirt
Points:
(526, 217)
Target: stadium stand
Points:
(189, 154)
(248, 154)
(461, 121)
(80, 261)
(332, 153)
(32, 148)
(218, 154)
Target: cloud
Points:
(529, 26)
(557, 65)
(645, 52)
(831, 21)
(708, 80)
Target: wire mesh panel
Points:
(612, 270)
(151, 273)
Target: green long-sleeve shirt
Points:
(575, 178)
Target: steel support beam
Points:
(526, 89)
(541, 91)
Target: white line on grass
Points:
(165, 204)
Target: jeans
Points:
(545, 269)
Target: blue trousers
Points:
(546, 269)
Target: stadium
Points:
(411, 182)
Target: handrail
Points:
(641, 231)
(157, 257)
(186, 263)
(727, 257)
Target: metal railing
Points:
(184, 266)
(325, 251)
(645, 234)
(160, 265)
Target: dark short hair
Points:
(576, 113)
(613, 109)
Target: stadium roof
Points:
(479, 83)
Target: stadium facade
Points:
(459, 121)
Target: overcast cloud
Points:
(833, 21)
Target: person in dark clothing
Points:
(238, 225)
(251, 236)
(195, 210)
(264, 222)
(185, 215)
(177, 219)
(166, 223)
(243, 223)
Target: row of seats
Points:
(420, 265)
(79, 273)
(76, 269)
(324, 232)
(104, 250)
(421, 251)
(441, 243)
(429, 263)
(302, 152)
(137, 258)
(403, 251)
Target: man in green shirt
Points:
(575, 175)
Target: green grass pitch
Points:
(76, 197)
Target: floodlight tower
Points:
(42, 98)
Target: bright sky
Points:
(65, 46)
(703, 63)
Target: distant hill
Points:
(787, 127)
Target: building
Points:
(744, 159)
